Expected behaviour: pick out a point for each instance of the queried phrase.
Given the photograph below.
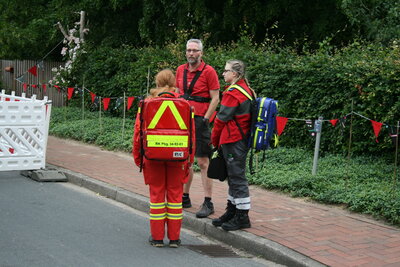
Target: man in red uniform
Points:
(164, 177)
(198, 83)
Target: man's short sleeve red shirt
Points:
(207, 81)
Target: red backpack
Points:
(166, 127)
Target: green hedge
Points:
(103, 131)
(307, 84)
(361, 184)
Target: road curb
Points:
(246, 241)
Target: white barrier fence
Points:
(24, 128)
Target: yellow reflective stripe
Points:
(157, 205)
(167, 140)
(259, 111)
(174, 205)
(256, 136)
(276, 141)
(160, 216)
(160, 112)
(174, 216)
(241, 90)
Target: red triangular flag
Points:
(44, 86)
(377, 128)
(280, 124)
(70, 92)
(93, 95)
(33, 70)
(58, 88)
(130, 101)
(106, 101)
(334, 121)
(25, 85)
(34, 86)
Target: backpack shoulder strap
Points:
(241, 89)
(244, 92)
(140, 113)
(192, 83)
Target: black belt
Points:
(196, 98)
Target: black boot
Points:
(229, 213)
(239, 221)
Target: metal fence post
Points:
(317, 129)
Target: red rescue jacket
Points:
(234, 112)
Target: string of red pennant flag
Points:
(281, 122)
(105, 100)
(376, 126)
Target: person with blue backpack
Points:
(230, 134)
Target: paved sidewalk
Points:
(304, 233)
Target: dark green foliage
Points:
(324, 84)
(321, 83)
(28, 31)
(374, 19)
(103, 131)
(362, 184)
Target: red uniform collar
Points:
(241, 83)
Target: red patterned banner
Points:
(70, 92)
(106, 102)
(93, 95)
(334, 121)
(33, 70)
(377, 128)
(280, 124)
(130, 102)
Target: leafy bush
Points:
(106, 131)
(362, 184)
(328, 82)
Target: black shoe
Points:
(229, 214)
(241, 220)
(174, 243)
(207, 208)
(186, 203)
(156, 243)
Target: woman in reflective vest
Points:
(165, 178)
(231, 127)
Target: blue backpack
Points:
(263, 123)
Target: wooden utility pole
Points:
(82, 29)
(82, 26)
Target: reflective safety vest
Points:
(166, 126)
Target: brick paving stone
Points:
(328, 234)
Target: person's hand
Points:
(206, 122)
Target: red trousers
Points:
(165, 180)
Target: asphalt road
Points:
(60, 224)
